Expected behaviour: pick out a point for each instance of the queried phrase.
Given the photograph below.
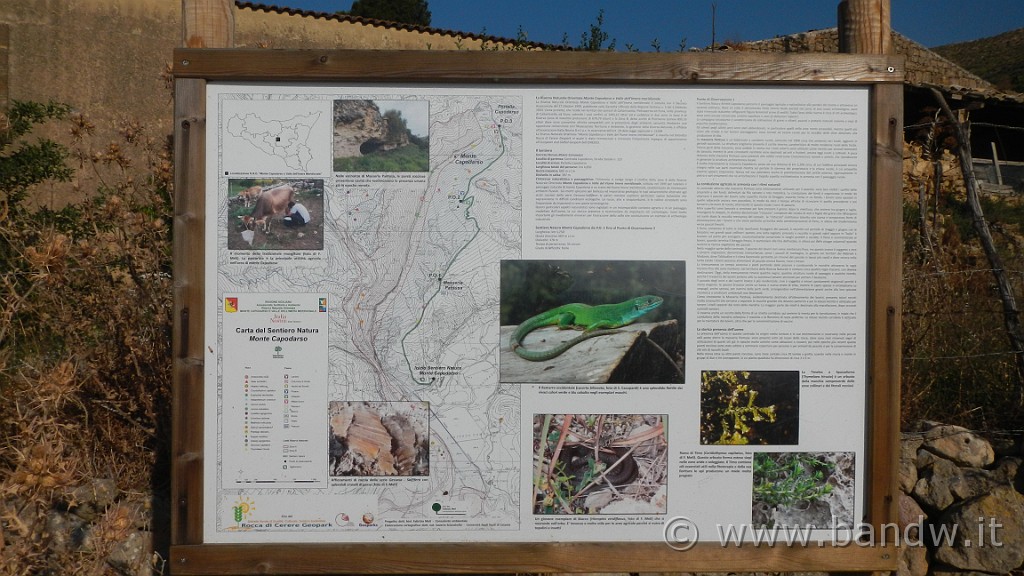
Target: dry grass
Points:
(958, 366)
(85, 300)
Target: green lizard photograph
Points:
(580, 321)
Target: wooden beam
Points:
(189, 270)
(541, 557)
(207, 23)
(513, 67)
(885, 306)
(865, 27)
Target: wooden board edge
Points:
(885, 296)
(189, 270)
(218, 559)
(521, 67)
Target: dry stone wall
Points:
(961, 505)
(965, 495)
(923, 65)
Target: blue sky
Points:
(639, 22)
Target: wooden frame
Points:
(194, 67)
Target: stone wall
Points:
(965, 494)
(948, 477)
(923, 65)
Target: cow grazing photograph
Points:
(275, 214)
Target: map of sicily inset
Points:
(284, 139)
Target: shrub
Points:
(730, 413)
(85, 325)
(958, 365)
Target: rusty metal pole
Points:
(865, 27)
(207, 23)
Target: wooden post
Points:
(189, 257)
(995, 164)
(207, 23)
(5, 77)
(865, 27)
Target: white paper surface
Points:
(378, 323)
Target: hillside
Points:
(998, 59)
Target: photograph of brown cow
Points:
(275, 214)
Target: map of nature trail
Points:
(285, 139)
(429, 299)
(410, 266)
(464, 198)
(421, 299)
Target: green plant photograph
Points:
(802, 489)
(756, 407)
(600, 463)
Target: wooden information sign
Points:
(535, 312)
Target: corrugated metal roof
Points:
(391, 25)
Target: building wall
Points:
(110, 59)
(107, 58)
(257, 28)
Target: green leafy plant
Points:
(789, 478)
(24, 164)
(412, 158)
(594, 39)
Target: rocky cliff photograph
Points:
(381, 136)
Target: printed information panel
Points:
(534, 314)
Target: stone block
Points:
(960, 445)
(989, 533)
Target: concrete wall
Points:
(107, 58)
